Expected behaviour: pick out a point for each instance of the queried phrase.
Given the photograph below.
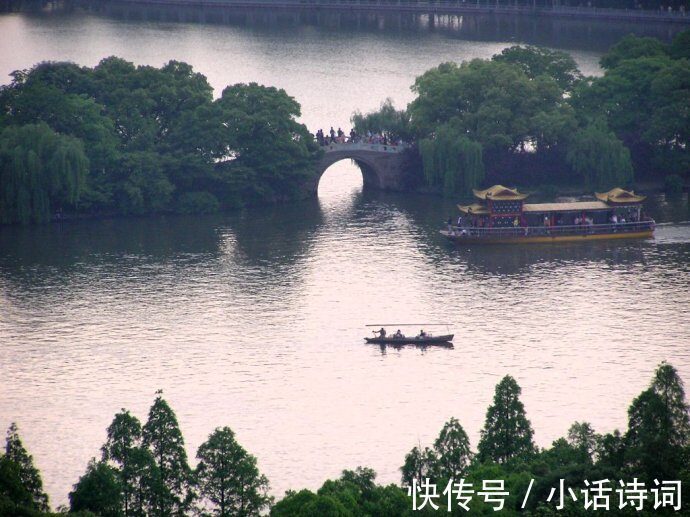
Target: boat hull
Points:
(434, 340)
(535, 239)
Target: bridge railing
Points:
(445, 6)
(362, 146)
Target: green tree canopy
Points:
(632, 47)
(387, 120)
(669, 386)
(599, 157)
(452, 448)
(419, 464)
(538, 61)
(98, 491)
(138, 473)
(40, 171)
(507, 434)
(228, 478)
(491, 102)
(155, 136)
(583, 438)
(452, 161)
(162, 435)
(28, 474)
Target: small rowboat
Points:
(427, 340)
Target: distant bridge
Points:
(381, 165)
(436, 8)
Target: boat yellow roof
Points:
(500, 193)
(619, 196)
(474, 209)
(577, 206)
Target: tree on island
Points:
(507, 434)
(228, 479)
(40, 172)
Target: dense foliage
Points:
(125, 139)
(529, 116)
(143, 469)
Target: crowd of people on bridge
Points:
(339, 137)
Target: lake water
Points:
(255, 320)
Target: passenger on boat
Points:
(422, 334)
(398, 334)
(382, 332)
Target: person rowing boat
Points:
(381, 333)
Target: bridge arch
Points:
(381, 165)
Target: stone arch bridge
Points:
(381, 165)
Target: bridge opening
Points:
(340, 183)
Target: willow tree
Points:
(40, 171)
(599, 157)
(452, 161)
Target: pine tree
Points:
(507, 433)
(134, 464)
(228, 478)
(164, 439)
(28, 473)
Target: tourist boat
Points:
(426, 340)
(502, 216)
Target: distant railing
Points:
(532, 231)
(362, 146)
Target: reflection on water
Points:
(256, 320)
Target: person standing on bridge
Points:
(332, 134)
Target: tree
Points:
(599, 157)
(632, 47)
(650, 446)
(39, 172)
(536, 61)
(668, 126)
(162, 435)
(680, 46)
(669, 386)
(387, 120)
(642, 99)
(228, 478)
(268, 154)
(15, 499)
(507, 434)
(29, 475)
(99, 491)
(582, 437)
(134, 464)
(452, 449)
(419, 464)
(452, 161)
